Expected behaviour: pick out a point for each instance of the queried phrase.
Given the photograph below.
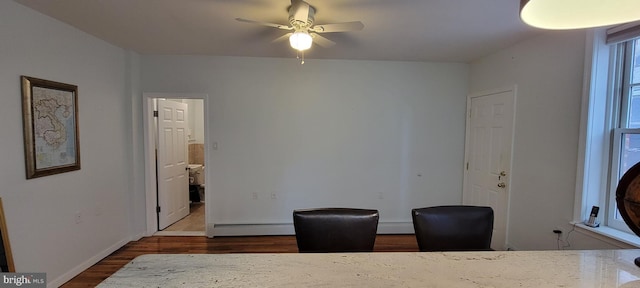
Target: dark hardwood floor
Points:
(203, 245)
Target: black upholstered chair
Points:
(453, 228)
(335, 229)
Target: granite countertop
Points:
(588, 268)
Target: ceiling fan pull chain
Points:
(300, 56)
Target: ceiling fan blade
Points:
(338, 27)
(279, 26)
(282, 38)
(324, 42)
(301, 10)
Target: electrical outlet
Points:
(274, 196)
(254, 195)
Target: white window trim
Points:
(591, 180)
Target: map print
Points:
(54, 132)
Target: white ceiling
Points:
(403, 30)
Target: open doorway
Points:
(175, 173)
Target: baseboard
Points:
(86, 264)
(138, 236)
(252, 229)
(395, 228)
(287, 229)
(179, 233)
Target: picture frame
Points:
(50, 121)
(6, 258)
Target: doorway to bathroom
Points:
(175, 142)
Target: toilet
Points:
(196, 182)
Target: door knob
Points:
(502, 185)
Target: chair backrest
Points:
(335, 229)
(453, 228)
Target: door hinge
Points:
(158, 209)
(155, 113)
(467, 165)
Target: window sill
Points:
(609, 235)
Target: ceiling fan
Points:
(304, 31)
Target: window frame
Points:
(602, 132)
(619, 112)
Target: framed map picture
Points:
(50, 120)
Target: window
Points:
(610, 130)
(625, 150)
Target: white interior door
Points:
(489, 143)
(173, 178)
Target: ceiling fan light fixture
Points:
(576, 14)
(300, 40)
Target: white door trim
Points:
(149, 157)
(465, 188)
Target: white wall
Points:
(383, 135)
(40, 212)
(135, 136)
(548, 71)
(196, 120)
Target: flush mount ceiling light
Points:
(300, 40)
(575, 14)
